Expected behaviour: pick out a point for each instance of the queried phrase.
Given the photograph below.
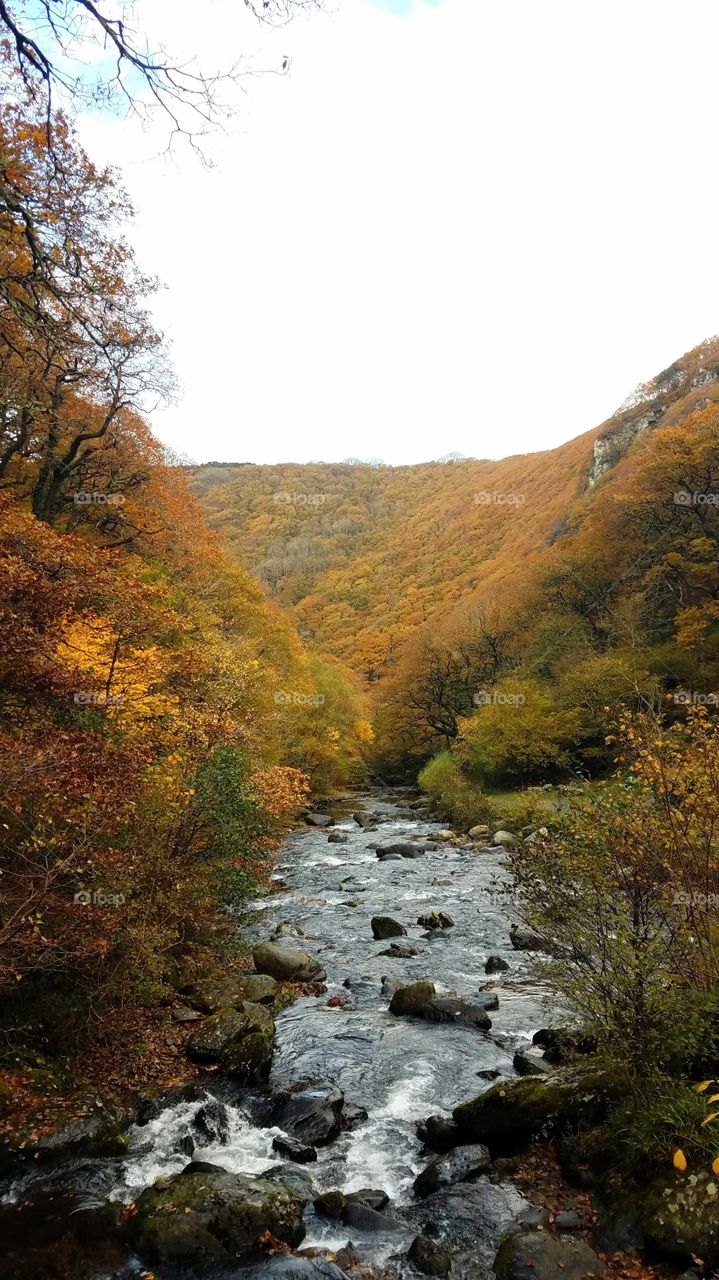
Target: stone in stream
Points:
(209, 1216)
(536, 1255)
(523, 938)
(288, 964)
(312, 1115)
(402, 950)
(367, 821)
(362, 1218)
(288, 1267)
(439, 1133)
(287, 930)
(239, 1040)
(385, 927)
(459, 1165)
(332, 1203)
(412, 999)
(514, 1112)
(454, 1009)
(291, 1149)
(495, 964)
(436, 920)
(531, 1064)
(429, 1258)
(405, 849)
(388, 857)
(319, 820)
(295, 1178)
(488, 1000)
(338, 837)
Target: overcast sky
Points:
(453, 225)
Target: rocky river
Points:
(376, 1074)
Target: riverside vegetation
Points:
(533, 642)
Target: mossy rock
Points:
(679, 1215)
(240, 1041)
(211, 994)
(408, 1001)
(214, 1216)
(536, 1255)
(515, 1112)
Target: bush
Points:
(454, 798)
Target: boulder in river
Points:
(287, 964)
(436, 920)
(429, 1257)
(460, 1165)
(367, 821)
(439, 1133)
(240, 1041)
(405, 849)
(536, 1255)
(362, 1218)
(412, 999)
(385, 927)
(312, 1115)
(523, 938)
(531, 1064)
(338, 837)
(402, 950)
(283, 1266)
(468, 1013)
(291, 1149)
(319, 820)
(495, 964)
(514, 1112)
(208, 1216)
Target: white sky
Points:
(472, 228)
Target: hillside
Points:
(364, 555)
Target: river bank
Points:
(362, 1077)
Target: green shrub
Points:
(454, 798)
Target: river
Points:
(399, 1069)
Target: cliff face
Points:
(690, 383)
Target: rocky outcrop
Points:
(208, 1215)
(515, 1112)
(240, 1041)
(312, 1116)
(287, 964)
(460, 1165)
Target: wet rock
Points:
(101, 1133)
(502, 839)
(389, 857)
(330, 1204)
(455, 1009)
(287, 930)
(536, 1255)
(313, 1115)
(385, 927)
(209, 995)
(295, 1178)
(319, 820)
(439, 1133)
(367, 821)
(459, 1165)
(562, 1044)
(523, 938)
(287, 964)
(530, 1064)
(293, 1150)
(362, 1218)
(240, 1041)
(338, 837)
(388, 988)
(513, 1112)
(287, 1267)
(436, 920)
(408, 1001)
(488, 1000)
(428, 1257)
(490, 1073)
(353, 1114)
(213, 1216)
(495, 964)
(211, 1122)
(371, 1196)
(402, 951)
